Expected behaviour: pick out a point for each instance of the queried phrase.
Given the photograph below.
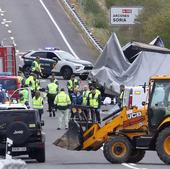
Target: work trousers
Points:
(63, 117)
(95, 115)
(51, 98)
(40, 111)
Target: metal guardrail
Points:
(83, 25)
(12, 164)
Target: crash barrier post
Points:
(83, 25)
(12, 164)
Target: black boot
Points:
(50, 115)
(53, 113)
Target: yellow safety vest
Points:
(52, 88)
(34, 84)
(25, 94)
(94, 101)
(72, 84)
(37, 103)
(62, 99)
(98, 91)
(85, 96)
(36, 66)
(121, 95)
(22, 102)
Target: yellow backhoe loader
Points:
(127, 133)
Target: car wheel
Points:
(83, 77)
(40, 155)
(44, 75)
(27, 71)
(66, 73)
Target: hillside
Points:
(154, 20)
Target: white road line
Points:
(131, 165)
(58, 28)
(9, 31)
(2, 14)
(6, 25)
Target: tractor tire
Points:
(117, 149)
(27, 71)
(136, 156)
(163, 145)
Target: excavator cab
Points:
(159, 104)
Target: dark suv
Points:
(24, 127)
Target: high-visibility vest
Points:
(52, 88)
(62, 99)
(25, 94)
(22, 102)
(72, 84)
(98, 91)
(34, 84)
(121, 95)
(28, 80)
(85, 96)
(37, 103)
(36, 66)
(94, 100)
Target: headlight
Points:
(78, 67)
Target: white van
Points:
(134, 96)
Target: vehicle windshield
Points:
(8, 84)
(66, 55)
(161, 95)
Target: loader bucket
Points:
(72, 139)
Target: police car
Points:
(56, 61)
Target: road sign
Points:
(124, 15)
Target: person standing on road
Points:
(76, 99)
(21, 78)
(37, 103)
(85, 95)
(36, 67)
(62, 102)
(94, 101)
(71, 84)
(33, 83)
(121, 95)
(52, 90)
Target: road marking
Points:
(6, 25)
(9, 31)
(2, 14)
(58, 28)
(12, 38)
(131, 165)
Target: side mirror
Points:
(144, 87)
(42, 122)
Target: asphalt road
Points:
(28, 24)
